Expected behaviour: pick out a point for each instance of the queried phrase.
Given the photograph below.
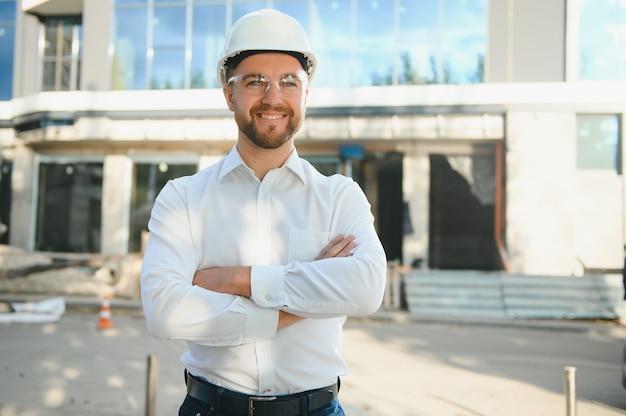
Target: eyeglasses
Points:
(257, 84)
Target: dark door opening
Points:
(461, 213)
(6, 168)
(390, 204)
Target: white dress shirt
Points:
(224, 216)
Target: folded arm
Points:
(236, 280)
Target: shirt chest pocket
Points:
(306, 245)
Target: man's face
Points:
(271, 118)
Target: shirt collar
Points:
(233, 160)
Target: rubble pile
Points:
(23, 272)
(14, 258)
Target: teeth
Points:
(271, 117)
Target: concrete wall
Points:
(22, 201)
(97, 26)
(26, 67)
(540, 165)
(598, 216)
(416, 188)
(116, 187)
(526, 41)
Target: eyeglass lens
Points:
(257, 84)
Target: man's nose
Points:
(272, 93)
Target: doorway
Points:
(390, 205)
(462, 212)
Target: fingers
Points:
(340, 246)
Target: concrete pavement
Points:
(400, 366)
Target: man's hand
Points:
(236, 280)
(339, 247)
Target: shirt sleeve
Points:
(334, 287)
(174, 308)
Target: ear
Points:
(228, 95)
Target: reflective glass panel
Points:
(598, 142)
(298, 9)
(129, 61)
(69, 207)
(168, 25)
(56, 75)
(7, 11)
(148, 179)
(418, 49)
(442, 41)
(374, 58)
(7, 47)
(333, 43)
(208, 35)
(59, 36)
(61, 54)
(602, 37)
(241, 8)
(168, 68)
(463, 40)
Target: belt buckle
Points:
(254, 399)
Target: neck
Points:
(262, 160)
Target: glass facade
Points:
(7, 47)
(598, 144)
(602, 40)
(176, 43)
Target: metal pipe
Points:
(152, 378)
(570, 391)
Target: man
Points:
(257, 260)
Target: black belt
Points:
(246, 405)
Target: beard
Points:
(273, 138)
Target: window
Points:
(61, 53)
(69, 207)
(207, 39)
(148, 179)
(602, 40)
(7, 48)
(441, 41)
(176, 43)
(326, 165)
(598, 142)
(129, 61)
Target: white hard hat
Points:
(265, 31)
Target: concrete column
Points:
(415, 189)
(23, 202)
(25, 80)
(96, 37)
(116, 192)
(541, 172)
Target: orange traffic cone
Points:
(105, 315)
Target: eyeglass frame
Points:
(300, 76)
